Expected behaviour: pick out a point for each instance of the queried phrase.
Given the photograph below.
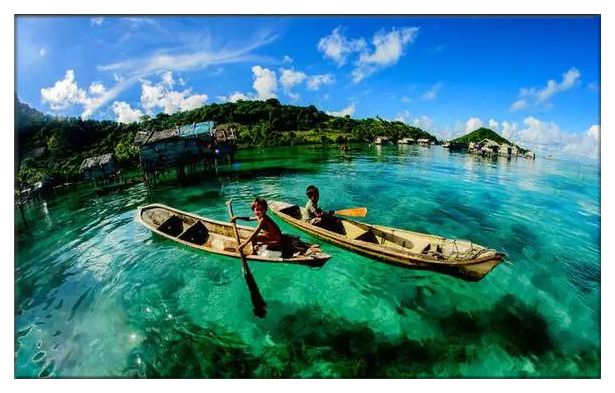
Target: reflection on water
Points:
(98, 295)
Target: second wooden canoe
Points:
(459, 258)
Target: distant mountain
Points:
(483, 133)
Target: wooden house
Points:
(406, 141)
(505, 150)
(423, 142)
(99, 167)
(381, 140)
(175, 147)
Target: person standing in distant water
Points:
(311, 212)
(267, 232)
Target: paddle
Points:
(354, 212)
(258, 303)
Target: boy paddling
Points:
(267, 231)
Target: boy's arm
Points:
(249, 239)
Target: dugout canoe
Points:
(459, 258)
(219, 237)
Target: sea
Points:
(99, 295)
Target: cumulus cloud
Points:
(265, 82)
(287, 59)
(424, 122)
(473, 124)
(388, 48)
(534, 97)
(546, 137)
(125, 113)
(161, 95)
(493, 124)
(167, 78)
(97, 88)
(290, 78)
(385, 50)
(349, 110)
(315, 81)
(336, 47)
(97, 21)
(64, 93)
(432, 92)
(236, 96)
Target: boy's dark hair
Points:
(311, 190)
(259, 201)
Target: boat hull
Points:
(399, 247)
(219, 237)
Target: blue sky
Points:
(535, 80)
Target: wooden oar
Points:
(258, 303)
(354, 212)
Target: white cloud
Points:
(432, 92)
(265, 82)
(388, 48)
(493, 125)
(290, 78)
(547, 138)
(518, 105)
(97, 21)
(161, 96)
(349, 110)
(236, 96)
(124, 113)
(594, 132)
(64, 93)
(42, 52)
(188, 59)
(167, 78)
(473, 124)
(337, 47)
(97, 88)
(541, 97)
(287, 59)
(403, 116)
(424, 122)
(315, 81)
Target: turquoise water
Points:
(98, 295)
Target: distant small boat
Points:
(219, 237)
(459, 258)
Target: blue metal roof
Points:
(189, 130)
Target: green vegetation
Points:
(56, 146)
(483, 133)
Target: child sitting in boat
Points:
(267, 231)
(311, 212)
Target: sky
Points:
(534, 80)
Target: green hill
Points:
(484, 133)
(49, 145)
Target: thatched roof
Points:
(96, 161)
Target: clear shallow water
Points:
(98, 295)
